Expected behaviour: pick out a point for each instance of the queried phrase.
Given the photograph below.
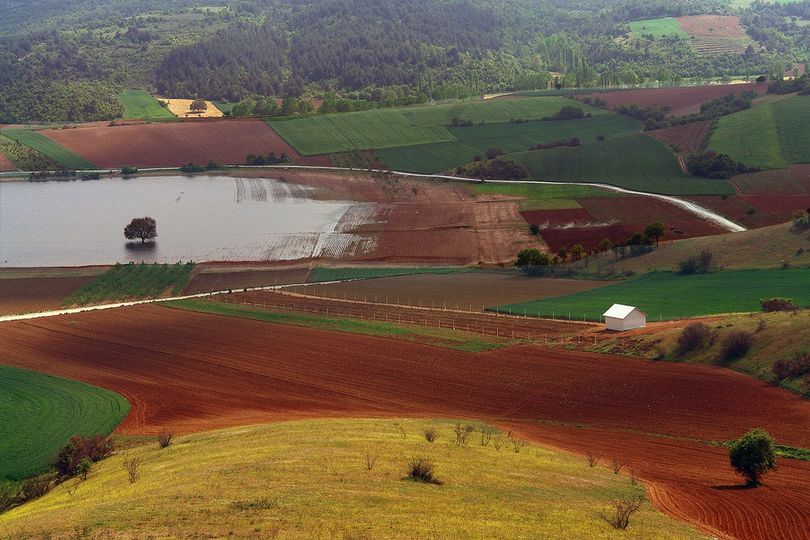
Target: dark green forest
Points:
(66, 60)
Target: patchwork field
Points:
(570, 399)
(173, 144)
(16, 156)
(509, 137)
(681, 100)
(181, 108)
(708, 34)
(41, 412)
(667, 295)
(635, 162)
(140, 105)
(328, 490)
(133, 281)
(63, 155)
(542, 196)
(386, 128)
(770, 135)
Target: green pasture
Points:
(323, 273)
(770, 135)
(42, 144)
(510, 137)
(634, 162)
(133, 281)
(666, 295)
(139, 104)
(664, 27)
(39, 413)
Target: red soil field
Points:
(794, 179)
(556, 217)
(768, 209)
(682, 100)
(199, 372)
(685, 139)
(173, 144)
(719, 26)
(6, 164)
(28, 295)
(209, 278)
(476, 289)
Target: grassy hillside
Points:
(129, 281)
(139, 104)
(659, 28)
(770, 135)
(509, 137)
(38, 413)
(310, 479)
(386, 128)
(635, 162)
(778, 337)
(667, 295)
(42, 144)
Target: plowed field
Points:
(719, 26)
(176, 143)
(6, 164)
(221, 277)
(189, 372)
(37, 294)
(684, 139)
(682, 100)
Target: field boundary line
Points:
(691, 207)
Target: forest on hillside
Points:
(66, 60)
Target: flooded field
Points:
(201, 218)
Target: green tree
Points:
(198, 106)
(577, 251)
(532, 257)
(753, 455)
(655, 231)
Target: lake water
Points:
(200, 218)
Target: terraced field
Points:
(386, 128)
(41, 412)
(770, 135)
(38, 142)
(509, 137)
(669, 296)
(635, 162)
(139, 104)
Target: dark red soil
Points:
(795, 179)
(682, 100)
(685, 139)
(6, 164)
(768, 209)
(223, 277)
(28, 295)
(198, 372)
(172, 144)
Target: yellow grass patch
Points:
(181, 108)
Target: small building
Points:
(620, 318)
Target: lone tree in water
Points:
(144, 228)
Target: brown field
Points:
(220, 277)
(457, 291)
(721, 26)
(615, 218)
(198, 372)
(6, 164)
(28, 295)
(173, 144)
(684, 139)
(768, 209)
(681, 100)
(794, 179)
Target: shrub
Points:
(126, 170)
(593, 459)
(462, 432)
(693, 337)
(431, 434)
(801, 221)
(532, 257)
(777, 304)
(74, 456)
(165, 438)
(735, 345)
(420, 469)
(132, 466)
(371, 459)
(493, 152)
(699, 264)
(753, 455)
(534, 228)
(619, 517)
(788, 368)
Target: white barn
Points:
(620, 318)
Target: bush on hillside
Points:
(421, 469)
(72, 458)
(619, 517)
(801, 220)
(735, 345)
(567, 112)
(789, 368)
(499, 168)
(700, 264)
(777, 304)
(693, 337)
(713, 165)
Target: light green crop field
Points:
(634, 162)
(310, 479)
(509, 137)
(42, 144)
(387, 128)
(666, 295)
(39, 413)
(544, 196)
(659, 28)
(139, 104)
(770, 135)
(133, 281)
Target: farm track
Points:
(625, 408)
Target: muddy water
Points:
(202, 218)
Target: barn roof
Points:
(620, 311)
